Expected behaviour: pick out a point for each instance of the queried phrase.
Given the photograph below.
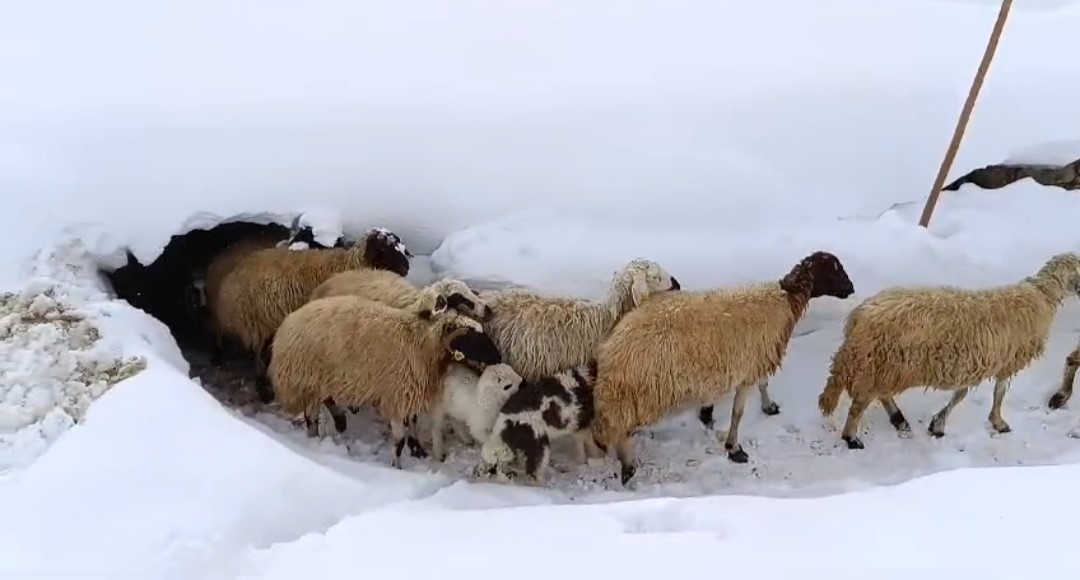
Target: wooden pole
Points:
(965, 114)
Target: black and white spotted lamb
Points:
(539, 412)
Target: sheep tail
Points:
(830, 397)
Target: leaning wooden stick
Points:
(965, 114)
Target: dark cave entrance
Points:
(170, 290)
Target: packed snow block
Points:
(52, 368)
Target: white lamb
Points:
(474, 399)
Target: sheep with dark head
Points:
(690, 348)
(945, 338)
(356, 352)
(266, 285)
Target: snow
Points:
(1052, 153)
(512, 145)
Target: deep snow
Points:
(541, 148)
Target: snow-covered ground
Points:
(543, 147)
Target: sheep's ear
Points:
(639, 288)
(440, 305)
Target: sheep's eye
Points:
(507, 387)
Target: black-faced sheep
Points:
(685, 348)
(946, 338)
(393, 290)
(540, 336)
(472, 398)
(538, 413)
(356, 352)
(266, 285)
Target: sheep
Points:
(539, 412)
(473, 399)
(393, 290)
(1064, 393)
(540, 336)
(947, 338)
(219, 267)
(266, 285)
(352, 351)
(693, 347)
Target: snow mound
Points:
(1050, 153)
(53, 363)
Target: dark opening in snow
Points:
(170, 290)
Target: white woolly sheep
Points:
(393, 290)
(266, 285)
(540, 336)
(946, 338)
(351, 351)
(474, 399)
(693, 347)
(537, 414)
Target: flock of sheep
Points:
(342, 328)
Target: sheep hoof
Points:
(1058, 401)
(737, 455)
(771, 409)
(854, 443)
(1002, 428)
(628, 472)
(415, 449)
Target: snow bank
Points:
(942, 524)
(1051, 153)
(428, 119)
(975, 238)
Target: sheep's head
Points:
(819, 274)
(1063, 269)
(497, 383)
(384, 250)
(430, 305)
(462, 299)
(647, 278)
(467, 341)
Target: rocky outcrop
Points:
(997, 176)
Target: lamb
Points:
(539, 412)
(353, 352)
(393, 290)
(540, 336)
(266, 285)
(947, 338)
(473, 399)
(693, 347)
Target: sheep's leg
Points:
(937, 424)
(262, 380)
(624, 450)
(591, 449)
(438, 428)
(851, 427)
(536, 462)
(896, 417)
(705, 415)
(338, 415)
(999, 424)
(311, 421)
(415, 448)
(768, 406)
(735, 451)
(1064, 393)
(397, 431)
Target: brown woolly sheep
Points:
(219, 267)
(393, 290)
(354, 352)
(266, 285)
(690, 348)
(540, 336)
(946, 338)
